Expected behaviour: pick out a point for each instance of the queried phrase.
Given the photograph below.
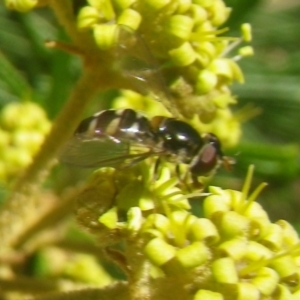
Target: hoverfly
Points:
(108, 138)
(118, 138)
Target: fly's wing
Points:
(100, 152)
(134, 59)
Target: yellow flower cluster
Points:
(21, 5)
(232, 252)
(130, 99)
(235, 247)
(183, 36)
(22, 130)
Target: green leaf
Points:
(12, 81)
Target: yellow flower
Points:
(21, 5)
(23, 127)
(233, 251)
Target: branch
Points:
(21, 205)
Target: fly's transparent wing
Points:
(135, 60)
(102, 152)
(94, 153)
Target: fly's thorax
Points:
(179, 139)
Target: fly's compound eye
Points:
(227, 162)
(214, 141)
(208, 158)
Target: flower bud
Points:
(110, 218)
(146, 201)
(221, 67)
(16, 159)
(220, 13)
(106, 36)
(134, 217)
(156, 4)
(105, 8)
(183, 6)
(290, 235)
(235, 248)
(285, 266)
(183, 56)
(29, 140)
(193, 255)
(266, 281)
(157, 221)
(246, 51)
(283, 293)
(86, 268)
(259, 227)
(236, 71)
(215, 204)
(159, 252)
(21, 5)
(207, 295)
(247, 291)
(179, 26)
(223, 101)
(204, 230)
(207, 48)
(87, 17)
(123, 4)
(198, 13)
(130, 18)
(246, 32)
(224, 270)
(256, 212)
(296, 295)
(257, 252)
(179, 218)
(206, 81)
(232, 224)
(273, 238)
(203, 3)
(26, 115)
(153, 233)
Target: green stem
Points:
(29, 285)
(21, 205)
(64, 13)
(139, 279)
(54, 214)
(62, 129)
(118, 291)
